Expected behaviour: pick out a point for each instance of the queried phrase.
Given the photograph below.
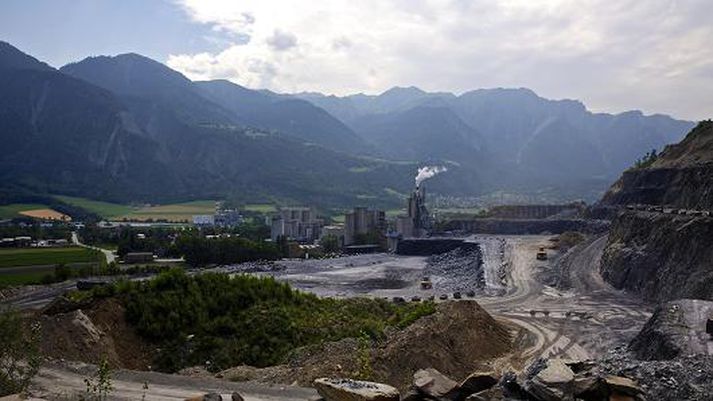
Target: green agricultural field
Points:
(261, 208)
(104, 209)
(13, 210)
(15, 257)
(178, 212)
(35, 276)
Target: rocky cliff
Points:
(681, 176)
(677, 328)
(660, 256)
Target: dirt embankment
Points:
(97, 331)
(458, 339)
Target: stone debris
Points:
(355, 390)
(433, 383)
(459, 270)
(553, 383)
(479, 381)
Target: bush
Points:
(246, 319)
(19, 353)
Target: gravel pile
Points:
(688, 378)
(458, 270)
(255, 267)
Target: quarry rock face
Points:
(677, 328)
(680, 177)
(355, 390)
(660, 256)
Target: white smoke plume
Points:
(427, 172)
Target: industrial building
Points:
(417, 222)
(336, 231)
(296, 223)
(363, 221)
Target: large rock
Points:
(553, 383)
(477, 382)
(355, 390)
(676, 328)
(623, 385)
(491, 394)
(435, 384)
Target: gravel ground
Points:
(687, 378)
(458, 270)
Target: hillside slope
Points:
(681, 176)
(665, 256)
(144, 133)
(534, 144)
(284, 114)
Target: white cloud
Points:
(654, 55)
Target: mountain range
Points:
(130, 129)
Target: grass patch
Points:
(36, 276)
(13, 210)
(15, 257)
(178, 212)
(104, 209)
(260, 208)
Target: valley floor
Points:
(581, 321)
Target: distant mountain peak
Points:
(13, 58)
(403, 90)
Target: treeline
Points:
(159, 241)
(220, 321)
(200, 251)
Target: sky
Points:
(651, 55)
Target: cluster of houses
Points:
(28, 242)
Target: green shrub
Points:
(220, 321)
(19, 353)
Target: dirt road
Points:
(67, 379)
(586, 319)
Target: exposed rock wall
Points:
(677, 328)
(681, 176)
(660, 256)
(689, 187)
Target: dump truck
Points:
(542, 254)
(426, 283)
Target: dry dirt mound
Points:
(458, 339)
(91, 334)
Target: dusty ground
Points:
(458, 339)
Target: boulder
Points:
(491, 394)
(590, 388)
(355, 390)
(553, 383)
(206, 397)
(477, 382)
(435, 384)
(623, 385)
(621, 397)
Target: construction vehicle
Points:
(542, 254)
(426, 283)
